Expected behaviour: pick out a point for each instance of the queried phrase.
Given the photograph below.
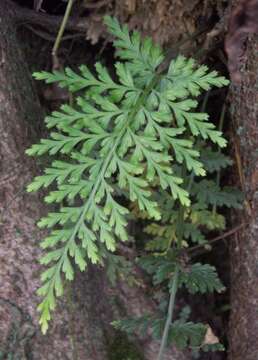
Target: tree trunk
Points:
(81, 326)
(19, 272)
(244, 247)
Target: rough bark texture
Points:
(81, 328)
(167, 22)
(19, 272)
(244, 247)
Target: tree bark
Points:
(19, 271)
(81, 326)
(244, 247)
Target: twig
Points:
(46, 36)
(217, 238)
(174, 284)
(24, 16)
(61, 33)
(169, 315)
(97, 5)
(37, 5)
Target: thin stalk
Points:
(214, 240)
(169, 314)
(61, 32)
(174, 288)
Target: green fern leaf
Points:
(143, 56)
(184, 334)
(121, 141)
(207, 192)
(201, 278)
(214, 160)
(185, 75)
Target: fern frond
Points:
(197, 122)
(214, 160)
(210, 219)
(186, 76)
(143, 55)
(208, 192)
(184, 334)
(191, 231)
(127, 136)
(201, 278)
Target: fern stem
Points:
(169, 314)
(171, 305)
(61, 32)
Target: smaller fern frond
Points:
(201, 278)
(186, 76)
(144, 56)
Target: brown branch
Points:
(52, 23)
(217, 238)
(48, 37)
(60, 34)
(96, 5)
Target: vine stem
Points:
(169, 314)
(174, 288)
(60, 33)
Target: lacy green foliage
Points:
(186, 334)
(196, 278)
(133, 141)
(182, 333)
(213, 160)
(201, 278)
(167, 249)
